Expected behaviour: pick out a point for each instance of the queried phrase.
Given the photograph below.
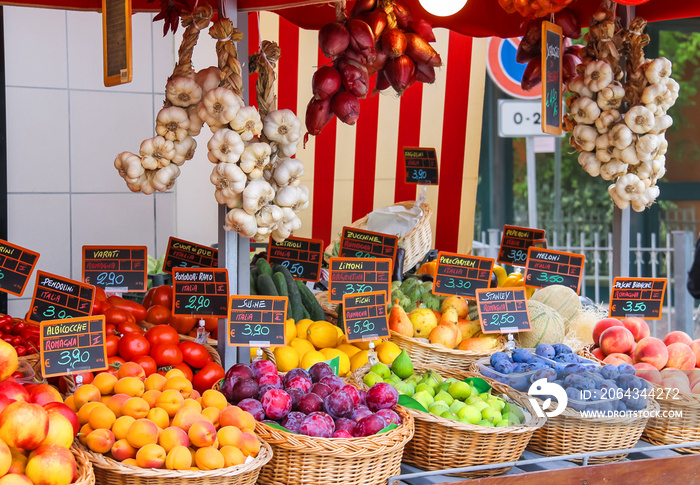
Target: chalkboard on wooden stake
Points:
(551, 78)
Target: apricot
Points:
(209, 458)
(235, 416)
(178, 458)
(131, 369)
(195, 395)
(84, 412)
(159, 417)
(84, 432)
(151, 456)
(155, 382)
(60, 430)
(142, 432)
(121, 426)
(173, 436)
(191, 403)
(180, 384)
(101, 418)
(170, 400)
(122, 450)
(136, 407)
(202, 434)
(174, 373)
(251, 445)
(100, 440)
(230, 436)
(232, 456)
(104, 382)
(70, 402)
(130, 461)
(213, 398)
(116, 403)
(131, 386)
(186, 417)
(85, 394)
(151, 396)
(211, 414)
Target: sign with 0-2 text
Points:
(58, 298)
(551, 78)
(637, 297)
(73, 345)
(421, 166)
(518, 118)
(515, 243)
(365, 317)
(200, 292)
(503, 310)
(257, 321)
(116, 268)
(546, 267)
(16, 266)
(358, 275)
(301, 256)
(461, 275)
(185, 254)
(360, 243)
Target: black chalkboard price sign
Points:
(461, 275)
(365, 316)
(360, 243)
(421, 166)
(515, 243)
(551, 78)
(73, 345)
(116, 268)
(185, 254)
(16, 266)
(302, 257)
(358, 275)
(257, 321)
(503, 310)
(58, 298)
(200, 292)
(546, 267)
(637, 297)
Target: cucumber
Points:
(310, 302)
(295, 309)
(252, 285)
(306, 312)
(263, 266)
(266, 286)
(280, 284)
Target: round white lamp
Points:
(443, 8)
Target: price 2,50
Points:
(499, 319)
(295, 268)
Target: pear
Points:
(423, 321)
(402, 365)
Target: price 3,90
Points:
(255, 330)
(72, 357)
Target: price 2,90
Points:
(255, 330)
(550, 278)
(198, 302)
(109, 278)
(363, 326)
(634, 307)
(457, 283)
(70, 358)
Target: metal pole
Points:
(557, 185)
(531, 181)
(682, 260)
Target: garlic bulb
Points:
(256, 195)
(247, 123)
(619, 201)
(183, 91)
(219, 106)
(184, 150)
(647, 147)
(302, 199)
(663, 145)
(164, 178)
(240, 221)
(129, 166)
(629, 187)
(146, 186)
(656, 98)
(578, 86)
(643, 171)
(208, 79)
(611, 96)
(287, 196)
(657, 70)
(136, 185)
(255, 159)
(627, 155)
(661, 124)
(196, 122)
(268, 217)
(606, 120)
(288, 150)
(639, 119)
(156, 152)
(289, 172)
(583, 138)
(282, 126)
(172, 123)
(598, 75)
(613, 169)
(290, 218)
(621, 136)
(282, 232)
(225, 146)
(585, 111)
(604, 148)
(232, 202)
(229, 180)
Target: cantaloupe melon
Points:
(560, 298)
(473, 312)
(547, 326)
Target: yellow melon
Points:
(547, 326)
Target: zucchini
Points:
(295, 304)
(263, 266)
(280, 284)
(266, 286)
(252, 285)
(310, 302)
(306, 312)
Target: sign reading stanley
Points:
(73, 345)
(185, 254)
(16, 266)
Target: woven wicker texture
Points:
(328, 307)
(112, 472)
(86, 474)
(439, 443)
(301, 459)
(678, 421)
(416, 243)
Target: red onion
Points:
(354, 77)
(533, 33)
(425, 74)
(422, 52)
(570, 26)
(569, 63)
(401, 73)
(318, 114)
(423, 28)
(532, 75)
(403, 14)
(579, 50)
(346, 107)
(333, 39)
(362, 6)
(325, 82)
(393, 42)
(527, 51)
(361, 38)
(353, 55)
(382, 82)
(378, 63)
(377, 21)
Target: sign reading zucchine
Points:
(359, 243)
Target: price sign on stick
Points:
(185, 254)
(358, 275)
(421, 166)
(365, 317)
(637, 297)
(515, 243)
(546, 267)
(503, 310)
(116, 268)
(58, 298)
(73, 345)
(16, 266)
(358, 243)
(257, 321)
(302, 257)
(200, 292)
(551, 77)
(461, 275)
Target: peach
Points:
(84, 412)
(131, 369)
(42, 394)
(159, 416)
(186, 417)
(680, 356)
(202, 433)
(652, 351)
(4, 402)
(693, 376)
(120, 428)
(8, 360)
(85, 430)
(101, 417)
(136, 407)
(150, 456)
(212, 398)
(174, 373)
(85, 394)
(191, 403)
(695, 347)
(142, 432)
(155, 382)
(232, 456)
(637, 326)
(122, 450)
(60, 431)
(116, 403)
(178, 458)
(208, 458)
(104, 381)
(180, 384)
(131, 386)
(648, 372)
(173, 436)
(677, 336)
(602, 326)
(616, 340)
(19, 461)
(235, 416)
(677, 381)
(150, 397)
(51, 465)
(230, 436)
(100, 440)
(211, 414)
(444, 334)
(170, 400)
(598, 353)
(5, 458)
(14, 391)
(24, 425)
(617, 359)
(66, 412)
(15, 479)
(251, 445)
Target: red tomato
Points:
(100, 307)
(136, 309)
(186, 369)
(100, 294)
(210, 323)
(109, 329)
(162, 334)
(112, 344)
(163, 295)
(147, 298)
(115, 316)
(166, 354)
(21, 350)
(194, 354)
(147, 363)
(129, 327)
(133, 345)
(111, 361)
(158, 315)
(207, 377)
(182, 325)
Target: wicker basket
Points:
(112, 472)
(328, 307)
(210, 341)
(416, 243)
(86, 474)
(301, 459)
(678, 420)
(427, 356)
(587, 354)
(439, 443)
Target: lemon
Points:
(387, 352)
(302, 327)
(310, 358)
(301, 346)
(365, 345)
(344, 360)
(322, 335)
(349, 349)
(286, 358)
(339, 330)
(358, 360)
(290, 329)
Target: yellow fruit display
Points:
(349, 349)
(344, 360)
(286, 358)
(311, 358)
(387, 352)
(423, 321)
(365, 345)
(302, 346)
(322, 335)
(358, 360)
(302, 327)
(290, 328)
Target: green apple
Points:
(481, 405)
(427, 388)
(372, 378)
(473, 399)
(444, 396)
(460, 390)
(424, 398)
(405, 388)
(381, 370)
(438, 408)
(449, 415)
(491, 414)
(471, 414)
(456, 406)
(485, 422)
(496, 403)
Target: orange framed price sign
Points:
(365, 317)
(515, 242)
(257, 321)
(16, 266)
(503, 310)
(359, 243)
(301, 256)
(358, 275)
(200, 292)
(637, 297)
(58, 298)
(73, 346)
(461, 275)
(546, 267)
(185, 254)
(116, 268)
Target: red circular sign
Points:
(505, 72)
